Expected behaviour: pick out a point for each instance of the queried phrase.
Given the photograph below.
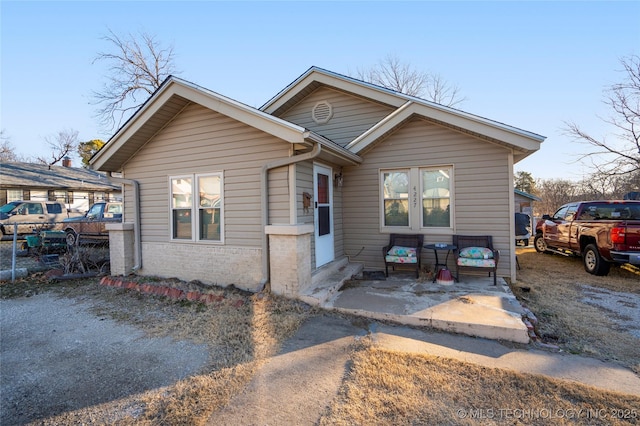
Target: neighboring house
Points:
(79, 188)
(224, 193)
(524, 202)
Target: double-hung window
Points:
(416, 198)
(197, 207)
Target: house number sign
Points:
(414, 196)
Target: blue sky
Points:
(532, 65)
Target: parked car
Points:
(91, 226)
(602, 232)
(25, 215)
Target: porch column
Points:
(289, 258)
(121, 253)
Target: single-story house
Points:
(524, 202)
(224, 193)
(77, 187)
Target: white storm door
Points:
(323, 215)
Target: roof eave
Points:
(270, 124)
(390, 97)
(525, 143)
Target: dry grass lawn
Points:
(382, 387)
(390, 388)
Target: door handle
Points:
(316, 204)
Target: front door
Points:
(323, 215)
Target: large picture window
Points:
(436, 197)
(395, 189)
(196, 207)
(417, 198)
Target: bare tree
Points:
(7, 150)
(137, 67)
(554, 193)
(61, 145)
(620, 154)
(396, 75)
(608, 186)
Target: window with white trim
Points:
(196, 207)
(416, 198)
(14, 195)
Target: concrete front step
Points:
(327, 281)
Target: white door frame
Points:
(323, 215)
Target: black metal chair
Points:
(476, 252)
(403, 250)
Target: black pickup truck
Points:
(602, 232)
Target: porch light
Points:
(337, 179)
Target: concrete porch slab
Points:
(473, 306)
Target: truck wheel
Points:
(539, 244)
(593, 262)
(71, 238)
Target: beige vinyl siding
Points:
(279, 212)
(480, 189)
(352, 115)
(304, 183)
(338, 225)
(202, 141)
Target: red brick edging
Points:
(170, 292)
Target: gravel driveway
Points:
(57, 356)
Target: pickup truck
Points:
(25, 215)
(91, 226)
(601, 232)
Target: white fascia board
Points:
(375, 132)
(267, 123)
(396, 99)
(332, 80)
(285, 94)
(335, 149)
(518, 140)
(132, 126)
(275, 126)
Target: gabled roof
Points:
(44, 177)
(173, 96)
(522, 141)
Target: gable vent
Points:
(322, 112)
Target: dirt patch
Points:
(623, 308)
(581, 313)
(134, 358)
(58, 356)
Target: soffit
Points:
(166, 104)
(156, 122)
(522, 145)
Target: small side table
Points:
(437, 247)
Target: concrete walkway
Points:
(297, 386)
